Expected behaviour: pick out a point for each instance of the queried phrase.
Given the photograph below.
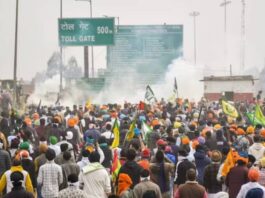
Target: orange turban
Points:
(240, 131)
(28, 121)
(250, 130)
(262, 132)
(185, 140)
(71, 122)
(124, 182)
(253, 175)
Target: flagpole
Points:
(200, 113)
(254, 116)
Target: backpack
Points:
(149, 194)
(255, 193)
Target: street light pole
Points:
(15, 55)
(61, 53)
(92, 49)
(225, 4)
(194, 14)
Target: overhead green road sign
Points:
(86, 31)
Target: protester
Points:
(4, 159)
(262, 172)
(41, 159)
(68, 168)
(210, 182)
(124, 185)
(165, 138)
(160, 173)
(5, 181)
(144, 162)
(16, 178)
(252, 188)
(146, 187)
(28, 165)
(236, 177)
(182, 167)
(201, 161)
(191, 188)
(95, 173)
(50, 176)
(72, 191)
(131, 167)
(257, 149)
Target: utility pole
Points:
(194, 14)
(243, 36)
(15, 56)
(225, 4)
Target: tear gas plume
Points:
(125, 88)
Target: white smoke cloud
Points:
(126, 89)
(46, 91)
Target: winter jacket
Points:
(108, 155)
(56, 131)
(210, 178)
(221, 144)
(181, 169)
(236, 177)
(201, 161)
(68, 168)
(28, 166)
(191, 189)
(257, 150)
(5, 161)
(211, 144)
(156, 173)
(6, 180)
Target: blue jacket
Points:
(201, 161)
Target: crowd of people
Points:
(158, 150)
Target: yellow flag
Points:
(130, 133)
(116, 133)
(229, 163)
(88, 103)
(229, 109)
(259, 115)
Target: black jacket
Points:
(182, 168)
(28, 166)
(108, 156)
(133, 170)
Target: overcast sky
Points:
(38, 34)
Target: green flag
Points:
(259, 115)
(252, 119)
(146, 130)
